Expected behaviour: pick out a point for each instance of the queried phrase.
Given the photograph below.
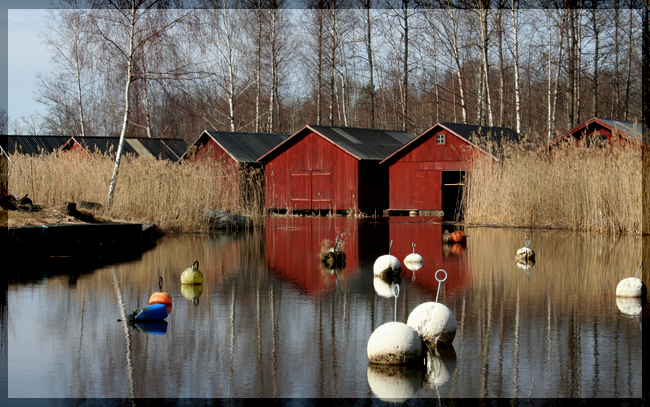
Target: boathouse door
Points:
(453, 186)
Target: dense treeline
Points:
(153, 69)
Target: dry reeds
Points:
(172, 195)
(591, 188)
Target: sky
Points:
(27, 56)
(21, 21)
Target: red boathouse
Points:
(323, 168)
(428, 173)
(598, 129)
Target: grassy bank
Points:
(590, 189)
(174, 196)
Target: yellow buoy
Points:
(192, 275)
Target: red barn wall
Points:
(210, 150)
(311, 173)
(416, 177)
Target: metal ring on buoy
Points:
(396, 290)
(196, 262)
(436, 275)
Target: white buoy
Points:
(632, 286)
(394, 343)
(525, 253)
(413, 261)
(434, 322)
(387, 264)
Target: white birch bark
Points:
(516, 66)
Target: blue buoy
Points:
(158, 327)
(150, 312)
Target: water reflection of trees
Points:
(573, 281)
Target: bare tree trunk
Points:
(405, 100)
(258, 68)
(367, 4)
(502, 78)
(487, 103)
(628, 81)
(571, 70)
(319, 73)
(274, 73)
(127, 107)
(458, 65)
(516, 65)
(82, 121)
(549, 122)
(596, 29)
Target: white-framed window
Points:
(440, 138)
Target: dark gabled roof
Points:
(244, 147)
(165, 149)
(477, 136)
(363, 144)
(631, 129)
(625, 129)
(104, 145)
(470, 131)
(33, 145)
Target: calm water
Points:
(270, 322)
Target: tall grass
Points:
(172, 195)
(590, 188)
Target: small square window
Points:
(440, 138)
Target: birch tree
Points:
(516, 66)
(123, 29)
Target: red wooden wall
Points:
(210, 150)
(415, 178)
(293, 247)
(311, 173)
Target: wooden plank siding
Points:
(415, 175)
(312, 173)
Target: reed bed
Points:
(589, 188)
(172, 195)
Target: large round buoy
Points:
(631, 287)
(433, 322)
(192, 275)
(394, 343)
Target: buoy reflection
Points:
(394, 383)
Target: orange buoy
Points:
(458, 236)
(161, 298)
